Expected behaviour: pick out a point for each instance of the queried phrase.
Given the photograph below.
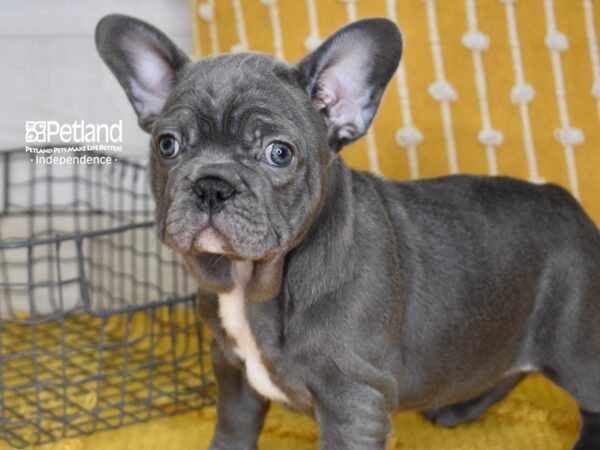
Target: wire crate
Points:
(97, 321)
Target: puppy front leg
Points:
(240, 410)
(355, 419)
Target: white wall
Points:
(50, 70)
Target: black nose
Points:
(212, 193)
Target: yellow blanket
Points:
(536, 416)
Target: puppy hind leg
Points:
(576, 369)
(452, 415)
(579, 375)
(583, 384)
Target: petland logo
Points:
(50, 142)
(46, 131)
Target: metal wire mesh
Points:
(97, 323)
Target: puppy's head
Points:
(241, 143)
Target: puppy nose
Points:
(212, 193)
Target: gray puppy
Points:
(342, 295)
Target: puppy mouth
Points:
(210, 240)
(206, 239)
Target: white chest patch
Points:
(233, 318)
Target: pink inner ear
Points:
(344, 79)
(323, 99)
(342, 90)
(152, 84)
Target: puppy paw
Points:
(451, 416)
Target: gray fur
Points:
(367, 296)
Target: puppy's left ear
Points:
(143, 59)
(346, 76)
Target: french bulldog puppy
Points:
(337, 293)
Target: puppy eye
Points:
(168, 146)
(279, 154)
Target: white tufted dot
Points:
(349, 1)
(569, 136)
(538, 180)
(490, 137)
(442, 91)
(508, 1)
(557, 41)
(408, 136)
(268, 2)
(312, 42)
(596, 89)
(205, 11)
(476, 40)
(238, 48)
(522, 93)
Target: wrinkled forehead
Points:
(239, 68)
(242, 90)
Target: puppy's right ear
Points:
(143, 59)
(346, 76)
